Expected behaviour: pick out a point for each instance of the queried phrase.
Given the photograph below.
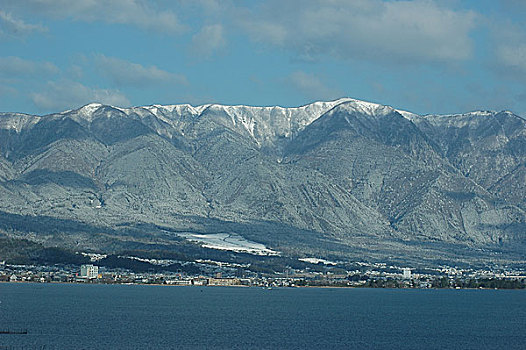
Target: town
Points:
(369, 275)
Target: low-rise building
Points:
(179, 282)
(223, 282)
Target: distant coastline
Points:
(513, 287)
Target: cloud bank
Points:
(125, 73)
(139, 13)
(401, 31)
(15, 27)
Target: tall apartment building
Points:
(89, 271)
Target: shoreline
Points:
(245, 286)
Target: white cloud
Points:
(67, 94)
(208, 40)
(140, 13)
(400, 31)
(14, 27)
(122, 72)
(14, 67)
(312, 87)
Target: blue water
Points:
(62, 316)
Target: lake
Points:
(75, 316)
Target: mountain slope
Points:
(344, 178)
(487, 147)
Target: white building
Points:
(89, 271)
(406, 273)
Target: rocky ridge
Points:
(344, 178)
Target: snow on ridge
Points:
(467, 114)
(460, 116)
(85, 112)
(263, 123)
(17, 121)
(372, 108)
(246, 107)
(90, 107)
(200, 108)
(322, 106)
(367, 108)
(408, 115)
(175, 108)
(458, 120)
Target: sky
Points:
(424, 56)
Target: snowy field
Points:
(317, 261)
(228, 241)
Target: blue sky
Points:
(423, 56)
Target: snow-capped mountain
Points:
(340, 178)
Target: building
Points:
(179, 282)
(201, 281)
(89, 271)
(223, 282)
(406, 273)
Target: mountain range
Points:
(342, 180)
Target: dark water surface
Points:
(63, 316)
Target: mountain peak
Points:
(91, 106)
(87, 110)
